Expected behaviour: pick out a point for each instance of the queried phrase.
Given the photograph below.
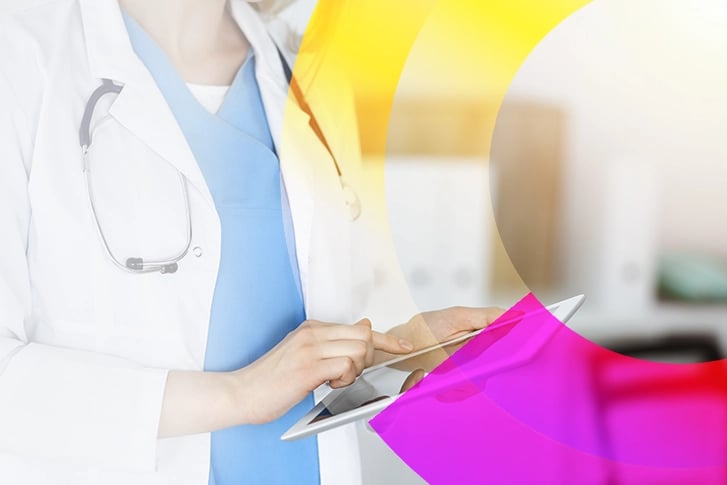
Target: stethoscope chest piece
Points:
(350, 197)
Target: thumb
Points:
(412, 380)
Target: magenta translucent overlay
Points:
(531, 401)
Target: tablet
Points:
(379, 385)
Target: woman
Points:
(165, 279)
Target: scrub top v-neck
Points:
(257, 299)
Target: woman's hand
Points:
(315, 353)
(430, 328)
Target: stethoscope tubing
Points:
(167, 265)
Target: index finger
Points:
(390, 344)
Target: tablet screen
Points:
(367, 389)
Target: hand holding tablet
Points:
(379, 385)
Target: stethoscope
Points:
(138, 265)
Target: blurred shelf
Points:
(600, 324)
(661, 319)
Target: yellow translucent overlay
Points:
(360, 58)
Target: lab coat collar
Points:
(140, 107)
(109, 50)
(111, 55)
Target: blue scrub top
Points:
(257, 299)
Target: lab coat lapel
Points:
(322, 238)
(141, 107)
(323, 229)
(329, 298)
(298, 177)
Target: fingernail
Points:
(406, 345)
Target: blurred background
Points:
(606, 175)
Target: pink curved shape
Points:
(534, 402)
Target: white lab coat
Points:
(85, 347)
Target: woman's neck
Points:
(199, 36)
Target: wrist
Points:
(238, 389)
(198, 402)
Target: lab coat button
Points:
(197, 251)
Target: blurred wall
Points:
(640, 80)
(641, 85)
